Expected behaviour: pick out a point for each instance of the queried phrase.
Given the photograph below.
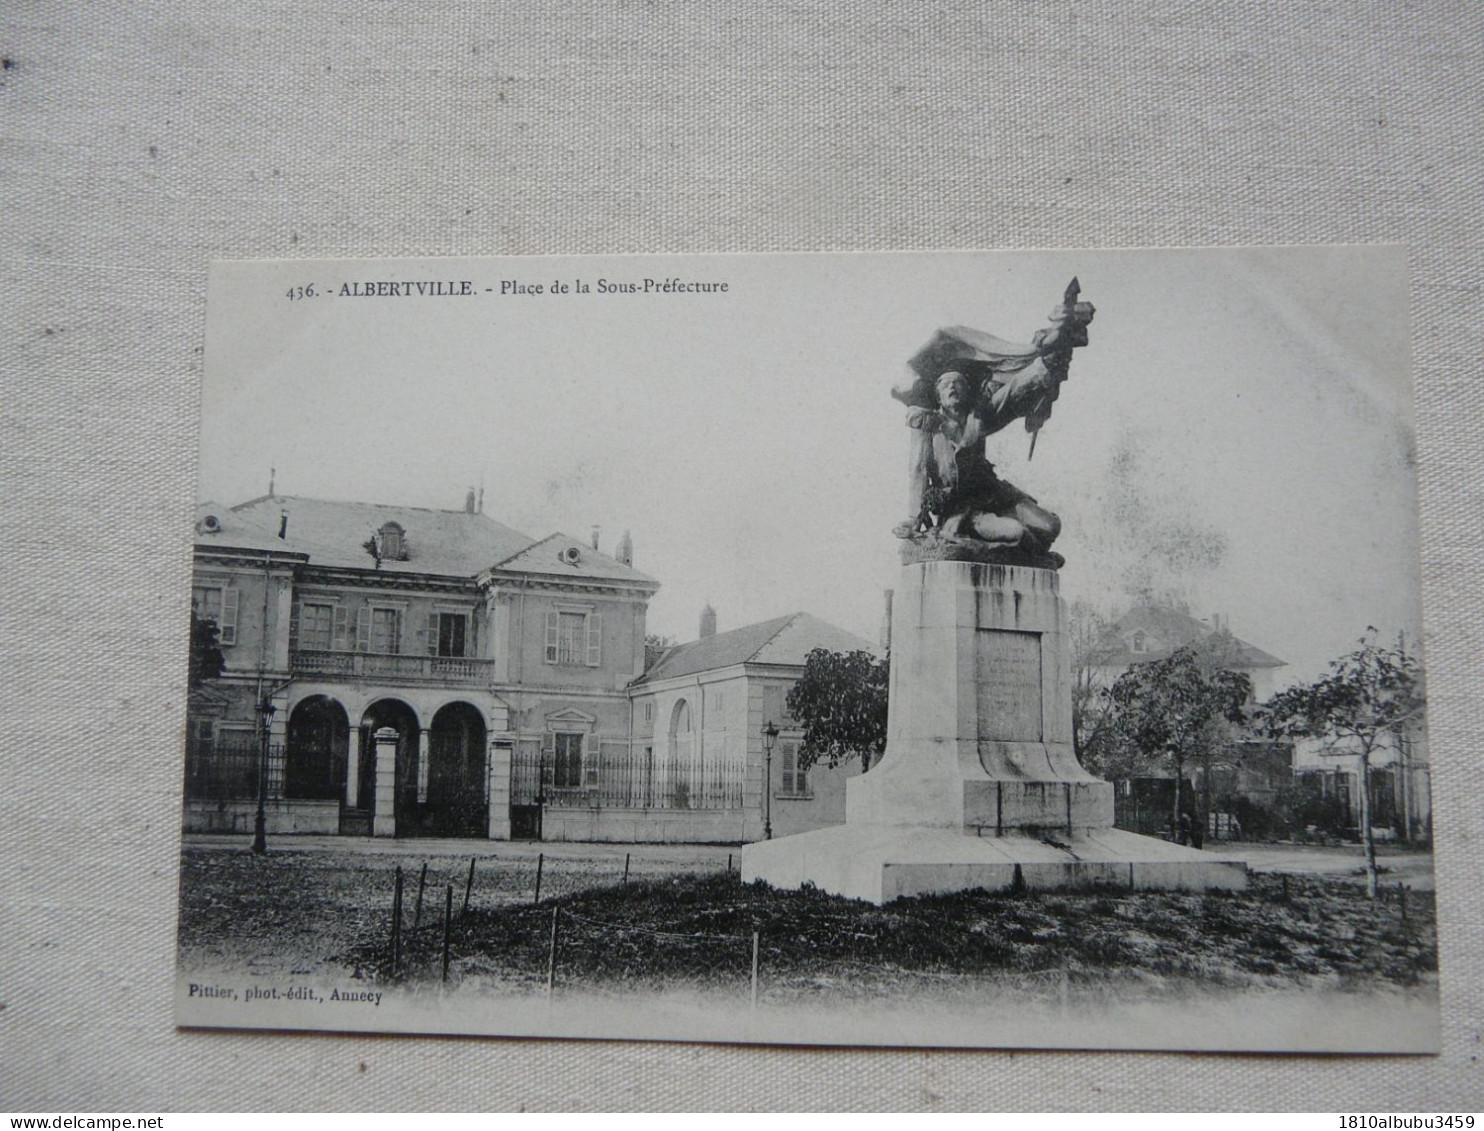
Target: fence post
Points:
(539, 858)
(447, 923)
(468, 887)
(625, 867)
(551, 954)
(729, 863)
(397, 922)
(417, 914)
(1401, 895)
(754, 969)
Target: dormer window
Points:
(393, 541)
(1138, 642)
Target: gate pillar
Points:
(500, 758)
(384, 818)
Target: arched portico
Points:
(455, 797)
(317, 753)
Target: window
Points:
(571, 637)
(795, 780)
(649, 711)
(218, 603)
(1138, 641)
(567, 769)
(316, 626)
(379, 630)
(393, 542)
(448, 634)
(574, 637)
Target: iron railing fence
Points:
(227, 768)
(619, 777)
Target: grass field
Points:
(673, 926)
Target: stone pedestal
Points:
(980, 732)
(979, 786)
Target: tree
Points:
(206, 661)
(1093, 646)
(1370, 696)
(841, 702)
(1179, 707)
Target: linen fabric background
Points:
(140, 140)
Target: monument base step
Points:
(879, 863)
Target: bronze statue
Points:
(967, 385)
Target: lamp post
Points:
(260, 822)
(770, 736)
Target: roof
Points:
(1172, 629)
(233, 532)
(553, 557)
(450, 543)
(782, 640)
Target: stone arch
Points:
(389, 711)
(456, 797)
(316, 749)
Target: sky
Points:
(1238, 433)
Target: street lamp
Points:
(770, 736)
(260, 822)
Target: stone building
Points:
(416, 672)
(699, 715)
(465, 645)
(1154, 632)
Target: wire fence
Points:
(543, 926)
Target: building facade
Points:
(390, 666)
(399, 671)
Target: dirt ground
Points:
(311, 906)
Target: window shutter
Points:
(552, 627)
(594, 640)
(363, 629)
(337, 639)
(228, 633)
(548, 758)
(590, 748)
(432, 634)
(294, 614)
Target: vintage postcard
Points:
(927, 649)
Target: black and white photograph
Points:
(922, 649)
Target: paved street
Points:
(1397, 865)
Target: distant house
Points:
(1248, 768)
(1401, 786)
(699, 714)
(1154, 632)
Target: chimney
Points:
(708, 621)
(469, 502)
(272, 478)
(625, 550)
(596, 529)
(283, 524)
(479, 507)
